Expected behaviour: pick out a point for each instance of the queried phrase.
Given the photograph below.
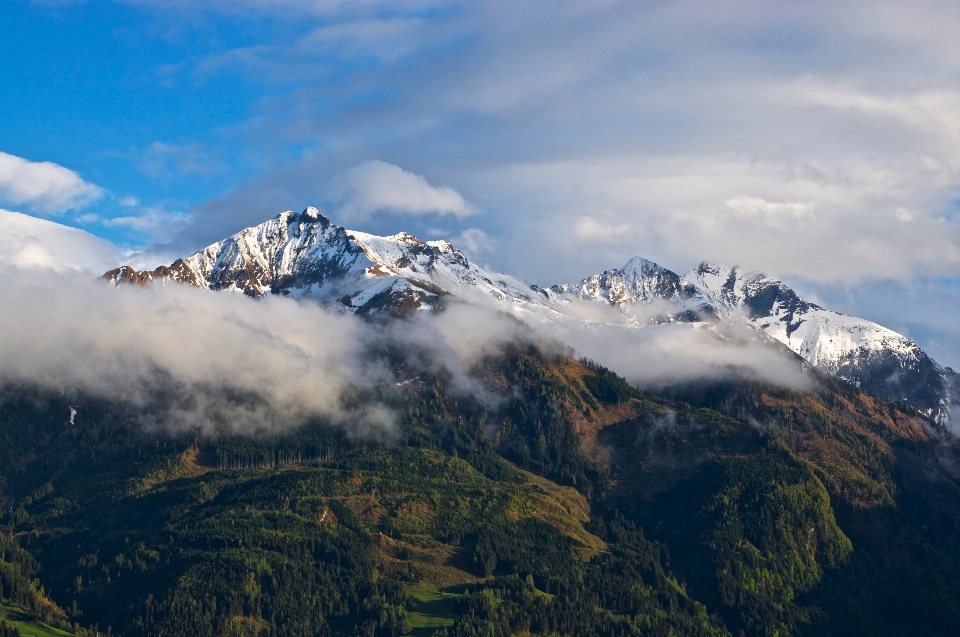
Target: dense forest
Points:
(562, 502)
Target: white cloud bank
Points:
(43, 186)
(181, 358)
(30, 243)
(659, 356)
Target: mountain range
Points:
(307, 256)
(536, 492)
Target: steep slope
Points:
(761, 493)
(305, 255)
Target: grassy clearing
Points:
(28, 628)
(433, 607)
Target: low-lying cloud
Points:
(657, 356)
(182, 359)
(185, 359)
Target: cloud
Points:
(155, 222)
(651, 356)
(30, 243)
(160, 159)
(385, 39)
(43, 186)
(179, 358)
(828, 223)
(593, 229)
(184, 359)
(378, 187)
(291, 8)
(769, 213)
(658, 356)
(475, 242)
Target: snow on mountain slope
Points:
(639, 282)
(305, 255)
(820, 336)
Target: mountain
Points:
(305, 255)
(878, 359)
(869, 355)
(640, 282)
(546, 495)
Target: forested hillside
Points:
(559, 500)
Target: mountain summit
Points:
(305, 255)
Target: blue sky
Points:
(819, 142)
(102, 89)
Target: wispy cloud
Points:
(154, 222)
(593, 229)
(475, 242)
(161, 159)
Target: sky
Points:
(816, 141)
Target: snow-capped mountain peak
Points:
(639, 281)
(306, 255)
